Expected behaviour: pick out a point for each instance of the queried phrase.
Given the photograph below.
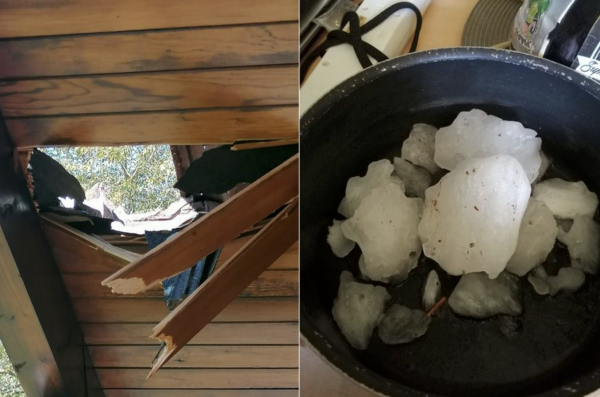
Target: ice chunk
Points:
(472, 216)
(378, 174)
(385, 228)
(478, 296)
(537, 235)
(340, 245)
(416, 179)
(357, 309)
(583, 242)
(432, 290)
(420, 147)
(566, 199)
(546, 163)
(475, 134)
(402, 325)
(568, 279)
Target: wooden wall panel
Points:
(198, 357)
(178, 128)
(135, 310)
(150, 51)
(200, 378)
(212, 334)
(25, 18)
(201, 393)
(147, 92)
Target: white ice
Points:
(340, 245)
(416, 179)
(476, 134)
(358, 309)
(402, 325)
(419, 147)
(385, 228)
(583, 242)
(566, 199)
(480, 297)
(537, 236)
(472, 216)
(432, 290)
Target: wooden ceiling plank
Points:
(209, 232)
(183, 127)
(154, 51)
(179, 327)
(26, 18)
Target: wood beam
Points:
(179, 327)
(37, 320)
(209, 232)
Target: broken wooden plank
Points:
(210, 232)
(263, 144)
(124, 378)
(213, 334)
(218, 291)
(274, 44)
(38, 326)
(289, 260)
(185, 127)
(75, 250)
(148, 92)
(26, 18)
(199, 357)
(133, 310)
(269, 283)
(201, 393)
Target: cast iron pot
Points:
(553, 349)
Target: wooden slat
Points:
(289, 260)
(269, 283)
(198, 357)
(200, 378)
(149, 52)
(25, 18)
(189, 318)
(205, 235)
(200, 393)
(212, 334)
(177, 128)
(147, 92)
(134, 310)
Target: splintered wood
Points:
(218, 291)
(210, 232)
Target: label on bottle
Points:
(587, 61)
(534, 21)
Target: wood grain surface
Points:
(145, 310)
(147, 92)
(150, 51)
(177, 128)
(25, 18)
(201, 393)
(200, 378)
(198, 357)
(232, 334)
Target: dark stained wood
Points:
(24, 18)
(150, 51)
(201, 393)
(212, 334)
(38, 326)
(178, 128)
(198, 357)
(200, 378)
(134, 310)
(204, 304)
(269, 283)
(208, 233)
(147, 92)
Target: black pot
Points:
(553, 349)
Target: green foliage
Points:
(140, 178)
(9, 384)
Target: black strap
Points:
(361, 48)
